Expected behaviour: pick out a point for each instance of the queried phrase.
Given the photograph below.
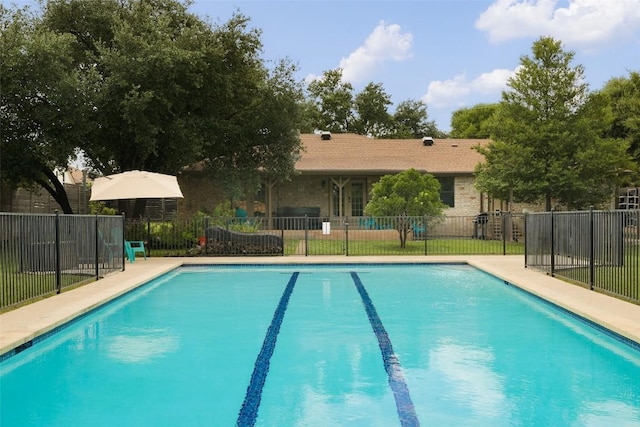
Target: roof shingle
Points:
(353, 153)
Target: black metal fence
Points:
(596, 249)
(42, 254)
(495, 233)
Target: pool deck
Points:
(25, 323)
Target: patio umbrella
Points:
(135, 185)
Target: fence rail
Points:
(496, 233)
(596, 249)
(41, 254)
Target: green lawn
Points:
(413, 247)
(20, 287)
(620, 280)
(17, 286)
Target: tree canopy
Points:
(148, 85)
(371, 111)
(410, 121)
(624, 95)
(406, 194)
(333, 102)
(549, 144)
(332, 105)
(473, 122)
(44, 103)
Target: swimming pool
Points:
(324, 345)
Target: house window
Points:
(357, 198)
(447, 190)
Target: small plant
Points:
(100, 208)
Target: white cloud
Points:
(456, 91)
(385, 43)
(311, 77)
(446, 93)
(581, 22)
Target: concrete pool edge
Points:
(24, 324)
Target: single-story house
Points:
(335, 174)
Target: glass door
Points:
(357, 198)
(348, 197)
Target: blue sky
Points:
(447, 53)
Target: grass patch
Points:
(618, 280)
(20, 288)
(622, 280)
(413, 247)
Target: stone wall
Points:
(466, 198)
(200, 194)
(303, 191)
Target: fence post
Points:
(553, 250)
(503, 220)
(282, 237)
(591, 249)
(227, 242)
(524, 229)
(97, 246)
(205, 225)
(57, 252)
(424, 222)
(346, 236)
(306, 235)
(148, 236)
(124, 237)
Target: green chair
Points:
(133, 247)
(419, 231)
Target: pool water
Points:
(345, 345)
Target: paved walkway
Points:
(25, 323)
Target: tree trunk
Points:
(402, 229)
(56, 189)
(547, 204)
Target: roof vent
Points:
(427, 141)
(325, 135)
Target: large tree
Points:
(331, 105)
(403, 195)
(473, 122)
(333, 101)
(257, 139)
(624, 95)
(43, 104)
(410, 121)
(164, 89)
(548, 145)
(372, 117)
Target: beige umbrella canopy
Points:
(135, 185)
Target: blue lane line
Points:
(404, 405)
(249, 411)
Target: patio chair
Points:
(368, 224)
(419, 231)
(133, 247)
(109, 247)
